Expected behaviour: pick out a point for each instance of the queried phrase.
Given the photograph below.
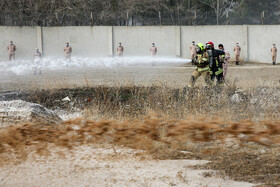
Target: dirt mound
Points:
(18, 111)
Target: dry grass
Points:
(131, 101)
(205, 122)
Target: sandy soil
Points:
(96, 166)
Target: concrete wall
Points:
(261, 39)
(255, 41)
(228, 36)
(25, 39)
(85, 41)
(138, 40)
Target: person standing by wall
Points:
(11, 48)
(237, 51)
(274, 53)
(120, 50)
(153, 50)
(37, 57)
(192, 51)
(67, 51)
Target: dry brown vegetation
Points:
(161, 137)
(132, 102)
(239, 136)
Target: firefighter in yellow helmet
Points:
(202, 66)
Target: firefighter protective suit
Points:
(202, 66)
(216, 66)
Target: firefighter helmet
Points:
(199, 48)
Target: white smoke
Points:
(20, 67)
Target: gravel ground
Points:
(243, 76)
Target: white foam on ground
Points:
(20, 67)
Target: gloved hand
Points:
(193, 62)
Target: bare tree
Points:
(132, 12)
(221, 7)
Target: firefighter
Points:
(11, 48)
(216, 66)
(202, 63)
(274, 53)
(237, 51)
(225, 59)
